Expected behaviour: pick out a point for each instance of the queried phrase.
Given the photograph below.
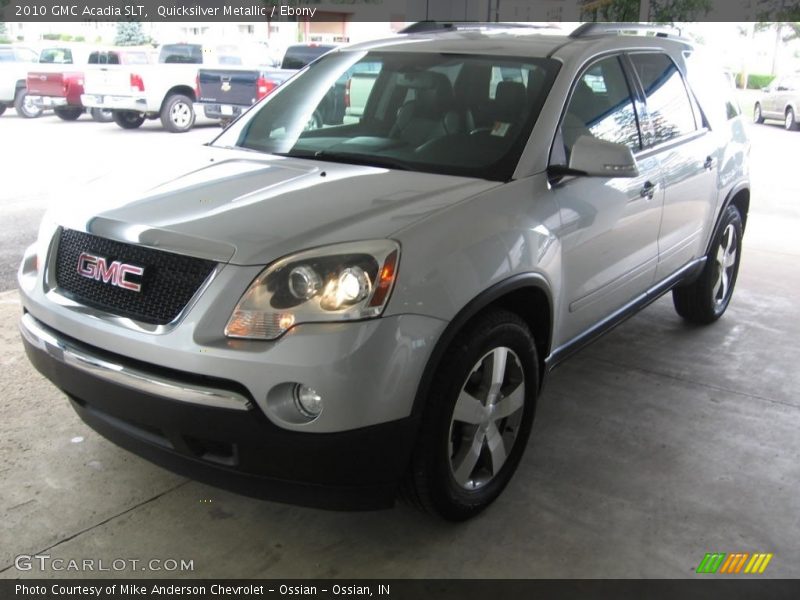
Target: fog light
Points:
(307, 401)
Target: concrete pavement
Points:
(657, 444)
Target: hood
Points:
(248, 208)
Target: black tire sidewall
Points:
(19, 106)
(731, 216)
(166, 113)
(68, 113)
(122, 119)
(450, 499)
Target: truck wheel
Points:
(128, 119)
(2, 108)
(704, 300)
(177, 114)
(68, 114)
(102, 116)
(24, 107)
(477, 418)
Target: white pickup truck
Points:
(166, 90)
(15, 62)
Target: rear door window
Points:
(668, 103)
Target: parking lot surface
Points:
(657, 444)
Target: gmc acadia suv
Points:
(336, 315)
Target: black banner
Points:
(396, 10)
(414, 589)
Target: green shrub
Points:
(51, 36)
(755, 81)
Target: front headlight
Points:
(335, 283)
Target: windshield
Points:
(440, 113)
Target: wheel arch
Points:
(739, 197)
(184, 90)
(527, 295)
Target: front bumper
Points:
(110, 102)
(210, 430)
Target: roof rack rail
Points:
(442, 26)
(589, 29)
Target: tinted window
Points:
(601, 106)
(6, 55)
(297, 57)
(182, 54)
(668, 104)
(61, 56)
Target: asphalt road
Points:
(40, 158)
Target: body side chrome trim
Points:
(47, 340)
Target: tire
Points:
(177, 114)
(24, 107)
(68, 114)
(705, 300)
(466, 453)
(790, 123)
(2, 109)
(758, 116)
(101, 115)
(128, 119)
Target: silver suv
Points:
(335, 315)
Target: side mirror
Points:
(599, 158)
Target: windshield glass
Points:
(440, 113)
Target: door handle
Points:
(648, 190)
(709, 164)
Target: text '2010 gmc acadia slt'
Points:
(336, 315)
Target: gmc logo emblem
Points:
(116, 273)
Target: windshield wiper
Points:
(350, 158)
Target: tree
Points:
(779, 10)
(661, 11)
(130, 34)
(3, 33)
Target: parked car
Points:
(163, 91)
(336, 316)
(226, 92)
(57, 81)
(781, 102)
(15, 61)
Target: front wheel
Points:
(790, 124)
(69, 113)
(128, 119)
(177, 114)
(705, 300)
(477, 419)
(102, 115)
(758, 116)
(25, 107)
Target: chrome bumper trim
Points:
(45, 339)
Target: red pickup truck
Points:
(60, 84)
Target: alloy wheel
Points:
(726, 264)
(486, 418)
